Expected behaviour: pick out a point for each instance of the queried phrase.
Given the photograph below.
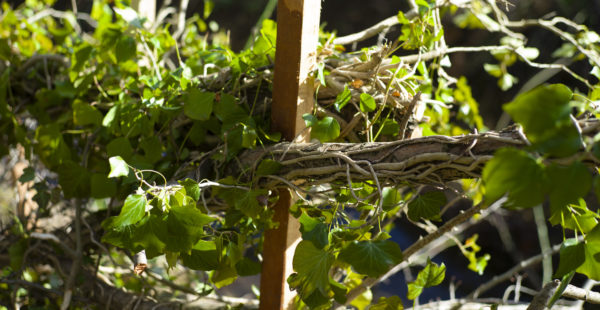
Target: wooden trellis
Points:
(295, 58)
(297, 36)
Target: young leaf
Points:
(372, 258)
(118, 167)
(325, 130)
(342, 98)
(367, 103)
(432, 275)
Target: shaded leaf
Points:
(198, 104)
(312, 269)
(372, 258)
(516, 173)
(426, 206)
(572, 255)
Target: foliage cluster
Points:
(138, 117)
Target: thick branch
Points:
(426, 160)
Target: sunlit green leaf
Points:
(432, 275)
(118, 167)
(388, 303)
(132, 212)
(367, 103)
(325, 130)
(342, 98)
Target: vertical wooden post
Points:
(295, 57)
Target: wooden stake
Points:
(293, 91)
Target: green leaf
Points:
(388, 303)
(390, 127)
(204, 256)
(153, 149)
(132, 212)
(568, 183)
(125, 48)
(192, 188)
(198, 104)
(28, 175)
(372, 258)
(314, 230)
(229, 112)
(51, 146)
(79, 59)
(85, 114)
(249, 204)
(119, 147)
(267, 167)
(432, 275)
(342, 98)
(74, 180)
(183, 228)
(325, 130)
(592, 255)
(118, 167)
(367, 103)
(539, 109)
(247, 267)
(514, 172)
(574, 216)
(572, 255)
(102, 186)
(340, 291)
(391, 198)
(16, 253)
(312, 267)
(224, 275)
(544, 113)
(426, 206)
